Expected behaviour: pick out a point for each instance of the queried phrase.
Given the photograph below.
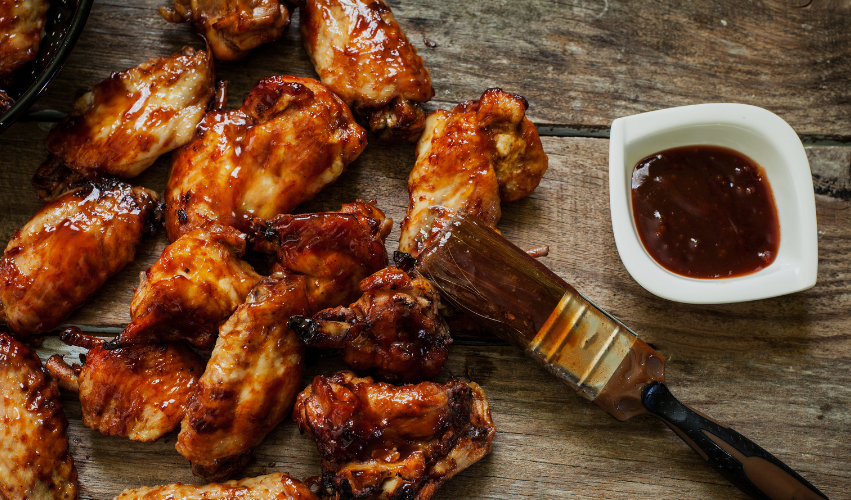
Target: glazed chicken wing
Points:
(197, 282)
(232, 27)
(289, 139)
(250, 382)
(68, 250)
(34, 458)
(21, 24)
(334, 251)
(277, 486)
(393, 331)
(379, 441)
(124, 123)
(140, 392)
(359, 50)
(469, 159)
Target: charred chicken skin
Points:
(124, 123)
(232, 27)
(334, 251)
(34, 458)
(393, 331)
(379, 441)
(469, 159)
(68, 250)
(21, 25)
(289, 139)
(359, 50)
(277, 486)
(250, 383)
(140, 392)
(197, 282)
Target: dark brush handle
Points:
(740, 460)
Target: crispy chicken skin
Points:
(21, 24)
(334, 251)
(359, 50)
(68, 250)
(290, 138)
(469, 159)
(124, 123)
(250, 383)
(277, 486)
(393, 331)
(140, 392)
(197, 282)
(34, 458)
(379, 441)
(232, 27)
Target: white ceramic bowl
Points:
(756, 133)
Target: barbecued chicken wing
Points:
(68, 250)
(277, 486)
(21, 25)
(379, 441)
(124, 123)
(290, 138)
(34, 458)
(140, 392)
(393, 331)
(468, 159)
(197, 282)
(250, 382)
(334, 251)
(359, 50)
(232, 27)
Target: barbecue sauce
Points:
(705, 212)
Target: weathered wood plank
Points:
(581, 63)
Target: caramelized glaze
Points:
(21, 25)
(277, 486)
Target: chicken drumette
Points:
(469, 159)
(359, 50)
(290, 138)
(393, 331)
(334, 251)
(197, 282)
(277, 486)
(250, 382)
(68, 250)
(379, 441)
(232, 27)
(21, 26)
(124, 123)
(34, 458)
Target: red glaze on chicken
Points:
(21, 25)
(277, 486)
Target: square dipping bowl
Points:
(758, 134)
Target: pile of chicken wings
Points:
(215, 348)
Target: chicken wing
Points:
(379, 441)
(334, 251)
(68, 250)
(232, 27)
(124, 123)
(277, 486)
(250, 382)
(140, 392)
(359, 50)
(290, 138)
(21, 26)
(468, 159)
(34, 458)
(197, 282)
(393, 331)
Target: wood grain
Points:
(580, 63)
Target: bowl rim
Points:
(769, 282)
(52, 68)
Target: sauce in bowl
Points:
(705, 212)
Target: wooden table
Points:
(777, 370)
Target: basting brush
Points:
(523, 302)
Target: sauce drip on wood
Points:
(705, 212)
